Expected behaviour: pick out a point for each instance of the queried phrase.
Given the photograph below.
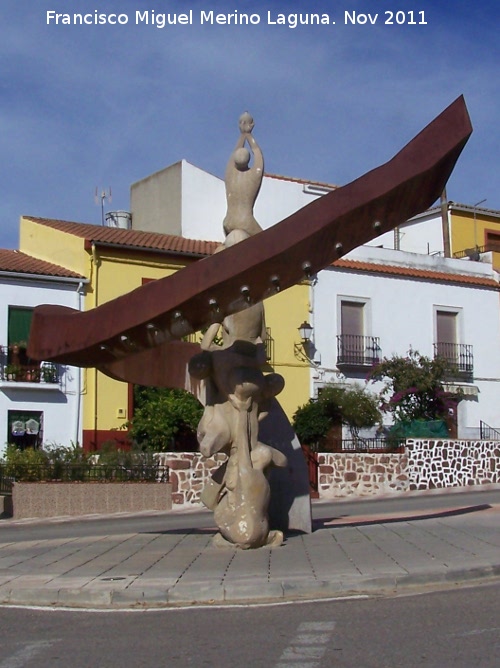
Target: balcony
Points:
(459, 356)
(358, 351)
(19, 372)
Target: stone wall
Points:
(58, 499)
(189, 473)
(350, 474)
(435, 464)
(426, 464)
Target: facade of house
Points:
(113, 261)
(396, 293)
(378, 302)
(184, 200)
(39, 402)
(116, 261)
(473, 233)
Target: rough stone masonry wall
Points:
(425, 464)
(435, 464)
(189, 473)
(350, 474)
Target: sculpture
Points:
(236, 389)
(136, 337)
(243, 182)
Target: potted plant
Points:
(13, 372)
(49, 373)
(32, 375)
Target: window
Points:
(448, 345)
(19, 324)
(354, 347)
(25, 429)
(352, 318)
(492, 241)
(446, 333)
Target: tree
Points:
(413, 387)
(165, 419)
(352, 406)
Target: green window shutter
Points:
(19, 324)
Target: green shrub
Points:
(28, 465)
(162, 417)
(352, 406)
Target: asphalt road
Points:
(33, 530)
(451, 629)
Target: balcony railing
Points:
(458, 355)
(474, 253)
(27, 371)
(354, 350)
(269, 344)
(488, 433)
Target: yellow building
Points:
(116, 261)
(474, 230)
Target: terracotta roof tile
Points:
(425, 274)
(132, 238)
(20, 263)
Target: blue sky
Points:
(104, 105)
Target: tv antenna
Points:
(104, 196)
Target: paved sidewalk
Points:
(343, 556)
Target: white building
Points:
(185, 200)
(376, 302)
(396, 293)
(39, 403)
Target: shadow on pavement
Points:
(389, 519)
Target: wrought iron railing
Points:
(359, 445)
(474, 253)
(86, 472)
(488, 433)
(26, 370)
(354, 350)
(458, 355)
(5, 482)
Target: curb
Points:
(194, 594)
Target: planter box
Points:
(58, 499)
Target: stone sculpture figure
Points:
(242, 181)
(236, 390)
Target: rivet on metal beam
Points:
(127, 341)
(245, 291)
(377, 225)
(306, 268)
(275, 280)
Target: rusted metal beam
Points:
(112, 335)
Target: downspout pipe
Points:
(95, 265)
(445, 226)
(79, 391)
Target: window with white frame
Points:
(355, 345)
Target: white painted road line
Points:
(25, 654)
(308, 646)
